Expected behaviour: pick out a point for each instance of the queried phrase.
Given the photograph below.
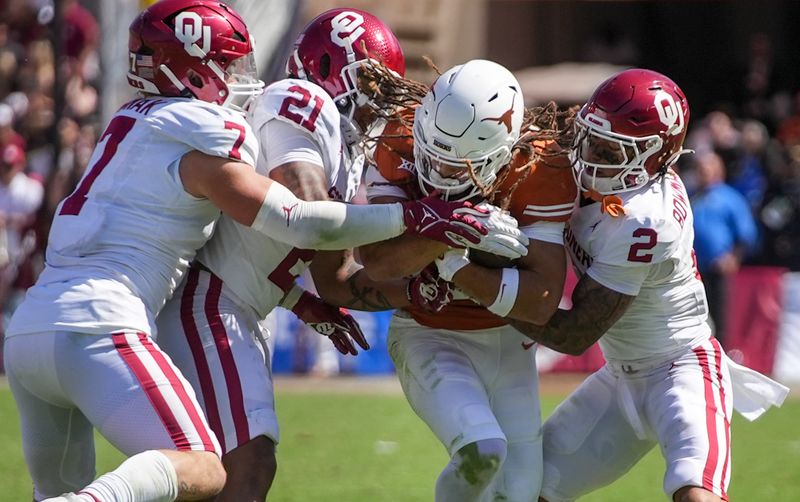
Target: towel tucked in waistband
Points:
(754, 393)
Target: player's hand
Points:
(504, 237)
(452, 261)
(428, 291)
(330, 321)
(457, 224)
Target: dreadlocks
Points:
(547, 123)
(388, 91)
(391, 97)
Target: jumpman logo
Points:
(288, 210)
(505, 118)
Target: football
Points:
(490, 260)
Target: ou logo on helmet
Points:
(346, 27)
(189, 29)
(669, 112)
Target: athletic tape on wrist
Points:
(291, 298)
(507, 294)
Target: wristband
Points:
(507, 294)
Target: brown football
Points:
(490, 260)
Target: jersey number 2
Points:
(636, 252)
(300, 104)
(117, 129)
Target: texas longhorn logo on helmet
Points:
(505, 118)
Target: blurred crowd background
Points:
(62, 67)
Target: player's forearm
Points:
(535, 302)
(270, 208)
(343, 283)
(325, 224)
(480, 283)
(399, 257)
(564, 332)
(362, 293)
(595, 309)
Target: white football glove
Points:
(452, 261)
(504, 237)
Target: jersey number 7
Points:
(117, 129)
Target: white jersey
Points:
(121, 242)
(646, 253)
(295, 121)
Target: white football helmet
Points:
(473, 112)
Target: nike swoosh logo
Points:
(527, 345)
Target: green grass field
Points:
(372, 448)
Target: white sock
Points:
(146, 477)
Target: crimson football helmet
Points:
(193, 48)
(630, 131)
(334, 45)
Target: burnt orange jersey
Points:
(542, 191)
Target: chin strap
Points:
(609, 204)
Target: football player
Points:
(667, 381)
(309, 127)
(468, 374)
(79, 351)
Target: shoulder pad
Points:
(207, 128)
(635, 239)
(302, 104)
(542, 191)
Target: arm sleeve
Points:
(325, 225)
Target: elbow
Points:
(539, 315)
(577, 346)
